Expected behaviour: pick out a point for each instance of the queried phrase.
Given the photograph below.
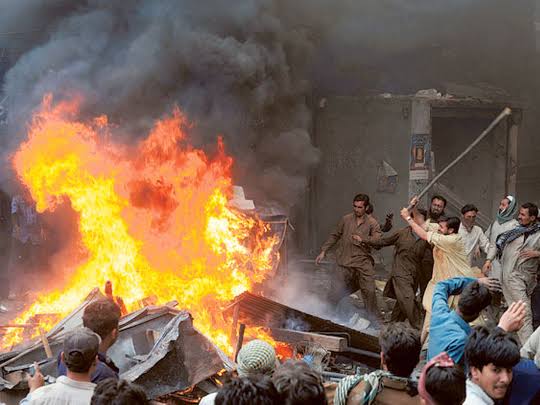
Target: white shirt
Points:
(209, 399)
(473, 240)
(476, 395)
(64, 392)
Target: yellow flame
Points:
(153, 218)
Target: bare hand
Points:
(477, 252)
(405, 213)
(487, 267)
(414, 201)
(512, 320)
(35, 381)
(320, 258)
(356, 238)
(491, 283)
(529, 254)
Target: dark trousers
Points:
(363, 278)
(406, 307)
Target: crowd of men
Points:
(456, 308)
(467, 331)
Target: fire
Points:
(153, 217)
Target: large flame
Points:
(153, 217)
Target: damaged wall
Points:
(355, 134)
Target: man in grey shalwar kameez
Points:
(519, 253)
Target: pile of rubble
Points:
(159, 349)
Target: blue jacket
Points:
(448, 331)
(525, 383)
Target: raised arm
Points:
(417, 229)
(444, 289)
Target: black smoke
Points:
(249, 69)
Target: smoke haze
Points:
(247, 69)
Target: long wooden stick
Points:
(45, 342)
(507, 111)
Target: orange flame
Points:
(153, 217)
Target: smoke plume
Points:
(235, 70)
(246, 69)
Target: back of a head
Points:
(400, 345)
(118, 392)
(80, 350)
(491, 346)
(253, 390)
(299, 384)
(453, 223)
(421, 211)
(473, 299)
(369, 209)
(102, 316)
(256, 357)
(446, 385)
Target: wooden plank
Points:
(332, 343)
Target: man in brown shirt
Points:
(402, 284)
(352, 235)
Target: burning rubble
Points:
(156, 224)
(153, 218)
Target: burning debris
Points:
(155, 221)
(157, 347)
(259, 311)
(153, 218)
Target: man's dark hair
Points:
(369, 209)
(102, 316)
(495, 346)
(421, 211)
(256, 390)
(473, 299)
(118, 392)
(361, 197)
(400, 346)
(469, 207)
(299, 384)
(531, 208)
(451, 223)
(439, 197)
(446, 385)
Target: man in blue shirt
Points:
(450, 329)
(102, 317)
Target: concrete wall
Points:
(480, 177)
(354, 135)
